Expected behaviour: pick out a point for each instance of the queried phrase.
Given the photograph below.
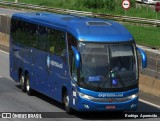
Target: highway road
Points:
(8, 12)
(13, 100)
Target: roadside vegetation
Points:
(149, 36)
(97, 6)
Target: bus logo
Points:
(53, 63)
(56, 64)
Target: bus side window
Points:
(14, 28)
(32, 29)
(60, 43)
(25, 33)
(52, 42)
(71, 40)
(19, 32)
(42, 38)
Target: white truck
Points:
(151, 1)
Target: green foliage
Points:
(98, 4)
(133, 3)
(148, 36)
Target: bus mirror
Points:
(77, 57)
(144, 57)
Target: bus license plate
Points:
(110, 107)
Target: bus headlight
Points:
(84, 96)
(133, 96)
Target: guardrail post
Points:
(16, 1)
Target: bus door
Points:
(57, 64)
(72, 54)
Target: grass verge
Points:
(149, 36)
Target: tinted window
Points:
(52, 40)
(37, 36)
(71, 42)
(16, 30)
(31, 32)
(42, 39)
(23, 32)
(60, 42)
(56, 41)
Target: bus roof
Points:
(82, 28)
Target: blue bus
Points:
(88, 64)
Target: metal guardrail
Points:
(153, 68)
(137, 20)
(44, 8)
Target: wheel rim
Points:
(28, 85)
(22, 80)
(66, 101)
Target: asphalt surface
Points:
(8, 12)
(13, 100)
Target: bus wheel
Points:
(22, 82)
(66, 103)
(28, 88)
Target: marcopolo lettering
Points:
(56, 64)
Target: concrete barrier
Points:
(145, 83)
(149, 85)
(156, 88)
(4, 39)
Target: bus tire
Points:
(66, 102)
(22, 82)
(28, 88)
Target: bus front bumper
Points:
(106, 104)
(88, 105)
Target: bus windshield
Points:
(107, 66)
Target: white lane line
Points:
(4, 52)
(2, 14)
(149, 103)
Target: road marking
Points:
(149, 103)
(4, 52)
(3, 14)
